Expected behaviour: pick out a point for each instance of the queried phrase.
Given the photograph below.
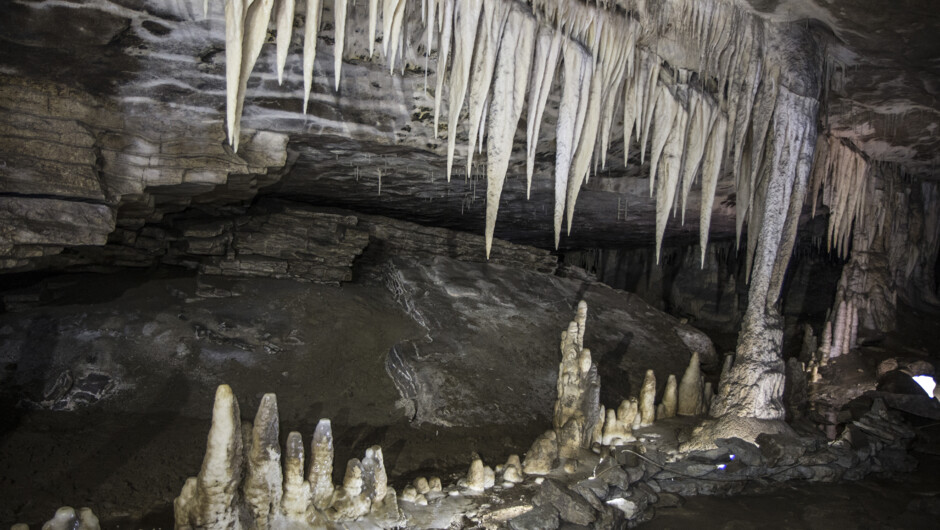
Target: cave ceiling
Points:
(112, 113)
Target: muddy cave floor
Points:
(127, 457)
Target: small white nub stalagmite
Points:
(65, 518)
(690, 389)
(670, 397)
(512, 471)
(648, 399)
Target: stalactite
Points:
(576, 71)
(484, 62)
(256, 30)
(670, 165)
(467, 18)
(509, 90)
(545, 63)
(311, 27)
(284, 13)
(444, 50)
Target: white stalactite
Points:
(442, 59)
(339, 39)
(466, 22)
(509, 90)
(547, 50)
(256, 30)
(484, 62)
(576, 69)
(284, 14)
(311, 27)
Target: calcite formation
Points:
(242, 486)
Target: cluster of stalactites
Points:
(843, 175)
(243, 476)
(608, 64)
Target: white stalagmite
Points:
(373, 23)
(208, 500)
(577, 74)
(509, 90)
(466, 21)
(547, 50)
(690, 389)
(711, 170)
(257, 17)
(263, 485)
(234, 36)
(311, 26)
(648, 399)
(320, 476)
(666, 107)
(339, 39)
(670, 397)
(284, 14)
(444, 50)
(484, 62)
(670, 166)
(297, 496)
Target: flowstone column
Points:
(753, 387)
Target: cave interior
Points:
(516, 263)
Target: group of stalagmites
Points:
(580, 422)
(839, 336)
(241, 483)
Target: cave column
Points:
(753, 387)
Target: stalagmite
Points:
(484, 62)
(670, 167)
(65, 518)
(257, 16)
(577, 407)
(690, 389)
(648, 399)
(320, 476)
(264, 483)
(297, 495)
(311, 27)
(512, 470)
(547, 49)
(838, 332)
(476, 476)
(442, 60)
(208, 499)
(351, 501)
(825, 343)
(234, 35)
(541, 457)
(339, 39)
(670, 397)
(284, 14)
(711, 170)
(466, 21)
(509, 89)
